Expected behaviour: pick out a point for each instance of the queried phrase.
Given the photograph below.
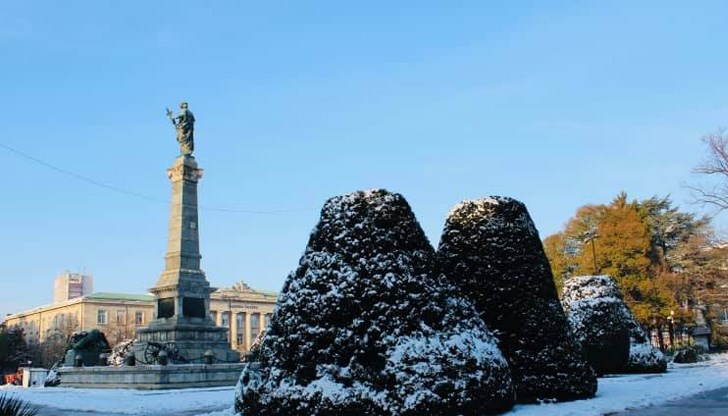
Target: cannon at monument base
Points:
(86, 348)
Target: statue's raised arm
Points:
(184, 123)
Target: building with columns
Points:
(244, 311)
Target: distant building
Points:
(72, 285)
(245, 311)
(115, 314)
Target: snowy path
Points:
(620, 393)
(616, 394)
(711, 403)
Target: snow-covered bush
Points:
(599, 318)
(689, 355)
(643, 357)
(120, 350)
(490, 248)
(600, 321)
(254, 349)
(364, 326)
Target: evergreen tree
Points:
(365, 326)
(490, 248)
(14, 351)
(561, 259)
(660, 256)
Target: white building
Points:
(72, 285)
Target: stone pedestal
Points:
(182, 293)
(157, 377)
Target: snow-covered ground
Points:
(127, 401)
(615, 394)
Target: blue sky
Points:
(557, 104)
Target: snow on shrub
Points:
(688, 355)
(490, 249)
(120, 350)
(643, 357)
(612, 339)
(599, 320)
(365, 327)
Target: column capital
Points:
(180, 172)
(184, 168)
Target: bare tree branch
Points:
(715, 164)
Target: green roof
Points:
(119, 296)
(267, 292)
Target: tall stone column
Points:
(182, 292)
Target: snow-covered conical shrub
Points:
(490, 248)
(599, 319)
(643, 357)
(364, 326)
(612, 339)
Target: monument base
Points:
(155, 377)
(184, 344)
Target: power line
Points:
(253, 211)
(127, 192)
(79, 176)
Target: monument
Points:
(182, 321)
(181, 347)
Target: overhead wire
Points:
(78, 175)
(127, 192)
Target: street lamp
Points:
(588, 236)
(670, 328)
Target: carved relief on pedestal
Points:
(194, 288)
(185, 172)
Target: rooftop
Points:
(119, 296)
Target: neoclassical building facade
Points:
(244, 311)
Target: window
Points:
(101, 317)
(254, 326)
(240, 328)
(120, 317)
(139, 318)
(268, 316)
(213, 315)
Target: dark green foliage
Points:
(365, 326)
(686, 356)
(13, 406)
(612, 340)
(600, 321)
(14, 351)
(490, 248)
(643, 357)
